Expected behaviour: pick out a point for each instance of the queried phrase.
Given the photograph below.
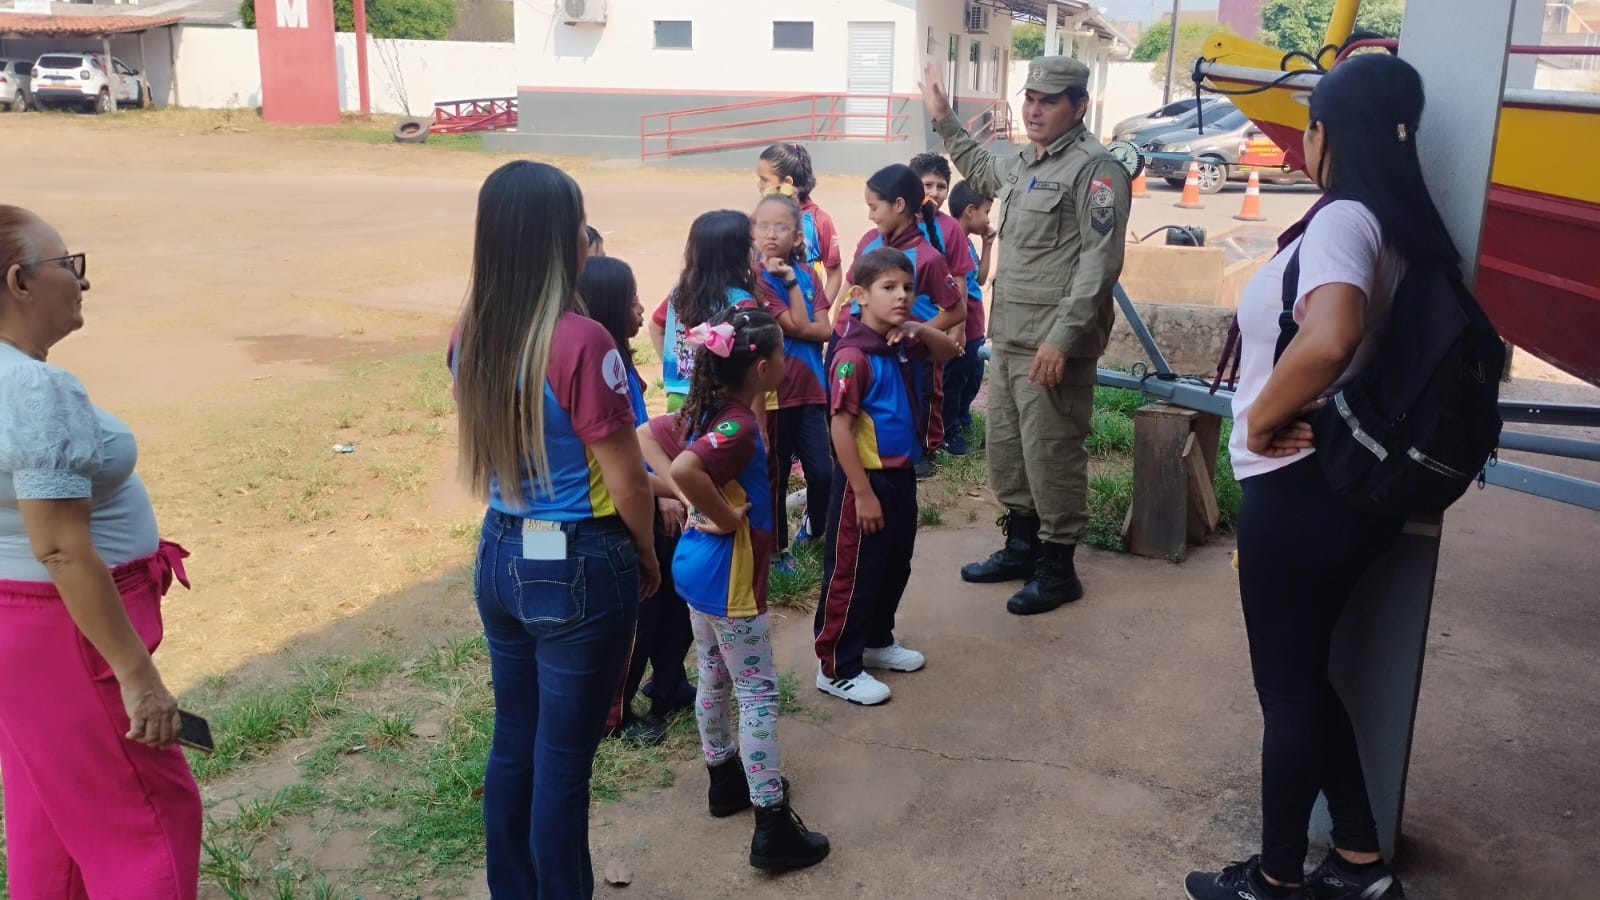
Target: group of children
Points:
(769, 358)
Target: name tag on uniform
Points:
(1045, 186)
(543, 540)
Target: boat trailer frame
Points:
(1190, 392)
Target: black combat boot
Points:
(1013, 562)
(783, 842)
(1056, 583)
(730, 792)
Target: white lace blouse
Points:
(56, 445)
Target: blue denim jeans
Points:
(558, 632)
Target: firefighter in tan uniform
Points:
(1063, 207)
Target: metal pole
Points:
(172, 55)
(1050, 40)
(111, 71)
(1172, 52)
(364, 88)
(144, 68)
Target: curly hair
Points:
(756, 336)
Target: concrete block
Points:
(1189, 336)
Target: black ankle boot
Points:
(783, 842)
(730, 792)
(1016, 560)
(1056, 584)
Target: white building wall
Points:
(220, 68)
(1129, 91)
(732, 50)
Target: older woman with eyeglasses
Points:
(99, 800)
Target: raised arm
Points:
(980, 167)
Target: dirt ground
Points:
(259, 296)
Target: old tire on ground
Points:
(411, 131)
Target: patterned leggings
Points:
(753, 680)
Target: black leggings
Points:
(1301, 553)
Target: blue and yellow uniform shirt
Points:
(726, 575)
(870, 381)
(586, 400)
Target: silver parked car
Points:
(1169, 115)
(16, 84)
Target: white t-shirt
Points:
(1343, 245)
(56, 445)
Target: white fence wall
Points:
(219, 68)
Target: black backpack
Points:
(1415, 427)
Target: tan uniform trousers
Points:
(1037, 443)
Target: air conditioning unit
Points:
(977, 19)
(583, 12)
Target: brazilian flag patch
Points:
(728, 429)
(846, 369)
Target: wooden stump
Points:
(1174, 465)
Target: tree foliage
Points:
(421, 20)
(1152, 46)
(1027, 41)
(1303, 24)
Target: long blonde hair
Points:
(525, 263)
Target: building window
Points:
(674, 35)
(793, 35)
(951, 62)
(975, 62)
(933, 43)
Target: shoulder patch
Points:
(846, 369)
(614, 371)
(1102, 206)
(728, 428)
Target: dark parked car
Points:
(1218, 151)
(1213, 111)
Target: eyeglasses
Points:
(76, 263)
(777, 230)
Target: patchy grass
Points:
(801, 589)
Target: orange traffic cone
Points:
(1140, 189)
(1191, 189)
(1251, 212)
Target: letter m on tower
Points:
(293, 13)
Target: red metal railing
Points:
(815, 117)
(462, 116)
(992, 123)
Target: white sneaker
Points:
(895, 658)
(862, 689)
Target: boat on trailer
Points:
(1539, 265)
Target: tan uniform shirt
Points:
(1062, 218)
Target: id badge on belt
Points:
(543, 540)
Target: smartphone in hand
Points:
(194, 732)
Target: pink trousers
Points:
(89, 813)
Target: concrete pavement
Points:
(1104, 750)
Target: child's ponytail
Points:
(726, 348)
(899, 182)
(793, 161)
(930, 217)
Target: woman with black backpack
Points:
(1303, 547)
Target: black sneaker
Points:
(1238, 881)
(1336, 879)
(956, 445)
(646, 732)
(926, 470)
